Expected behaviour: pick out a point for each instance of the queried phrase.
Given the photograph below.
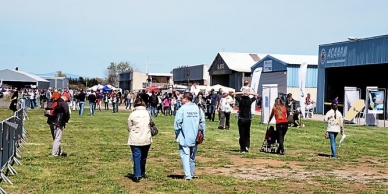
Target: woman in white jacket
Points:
(140, 138)
(334, 121)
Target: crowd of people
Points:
(190, 109)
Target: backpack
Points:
(49, 110)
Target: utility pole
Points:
(148, 63)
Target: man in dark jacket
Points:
(58, 122)
(81, 102)
(146, 98)
(154, 104)
(244, 118)
(14, 100)
(92, 102)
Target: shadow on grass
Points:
(129, 176)
(177, 176)
(324, 155)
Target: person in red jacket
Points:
(280, 113)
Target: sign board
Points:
(370, 115)
(269, 94)
(351, 95)
(267, 66)
(255, 85)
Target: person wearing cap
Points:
(244, 118)
(225, 108)
(58, 122)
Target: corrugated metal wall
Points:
(52, 82)
(43, 85)
(277, 77)
(276, 64)
(235, 80)
(366, 51)
(293, 76)
(220, 79)
(352, 53)
(60, 83)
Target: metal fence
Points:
(13, 135)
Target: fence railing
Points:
(13, 135)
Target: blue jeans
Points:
(154, 110)
(188, 160)
(114, 105)
(139, 155)
(332, 136)
(81, 105)
(178, 104)
(211, 112)
(129, 105)
(92, 107)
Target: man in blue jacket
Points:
(188, 119)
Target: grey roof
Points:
(53, 77)
(241, 62)
(19, 76)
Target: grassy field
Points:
(99, 160)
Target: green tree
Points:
(113, 71)
(60, 74)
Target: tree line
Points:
(112, 73)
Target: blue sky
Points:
(83, 37)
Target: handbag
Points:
(200, 135)
(153, 128)
(327, 135)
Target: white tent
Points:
(111, 87)
(96, 87)
(218, 86)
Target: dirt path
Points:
(265, 169)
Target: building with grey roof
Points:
(20, 79)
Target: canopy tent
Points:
(111, 87)
(96, 87)
(152, 89)
(218, 86)
(106, 89)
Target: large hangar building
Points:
(359, 62)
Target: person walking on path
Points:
(58, 122)
(335, 125)
(280, 113)
(139, 139)
(188, 119)
(244, 118)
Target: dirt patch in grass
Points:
(267, 169)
